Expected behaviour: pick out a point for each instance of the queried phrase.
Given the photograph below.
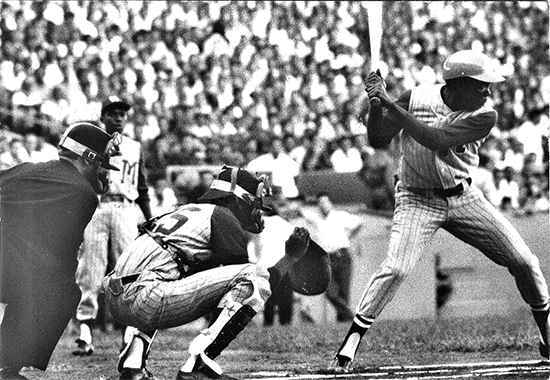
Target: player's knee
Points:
(256, 281)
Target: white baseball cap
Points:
(471, 64)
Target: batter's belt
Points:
(441, 193)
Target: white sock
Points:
(85, 333)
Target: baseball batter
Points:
(114, 225)
(194, 261)
(441, 128)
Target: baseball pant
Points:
(280, 303)
(112, 228)
(469, 217)
(338, 291)
(153, 304)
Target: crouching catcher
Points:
(192, 262)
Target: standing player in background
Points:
(332, 229)
(45, 208)
(442, 127)
(114, 225)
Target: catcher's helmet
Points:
(90, 142)
(472, 64)
(240, 183)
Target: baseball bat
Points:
(374, 16)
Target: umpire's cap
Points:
(114, 102)
(472, 64)
(91, 142)
(240, 183)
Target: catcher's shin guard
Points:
(147, 337)
(212, 341)
(230, 322)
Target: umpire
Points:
(44, 209)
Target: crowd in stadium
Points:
(215, 82)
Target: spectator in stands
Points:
(507, 189)
(484, 179)
(531, 134)
(317, 156)
(346, 157)
(513, 154)
(532, 198)
(15, 153)
(38, 149)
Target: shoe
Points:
(203, 371)
(83, 348)
(544, 351)
(135, 374)
(11, 374)
(340, 364)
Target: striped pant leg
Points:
(167, 304)
(124, 228)
(415, 221)
(475, 221)
(92, 262)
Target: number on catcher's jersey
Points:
(171, 223)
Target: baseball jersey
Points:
(424, 168)
(130, 177)
(204, 235)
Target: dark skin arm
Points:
(382, 129)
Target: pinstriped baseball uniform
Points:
(210, 239)
(112, 228)
(420, 212)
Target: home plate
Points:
(532, 369)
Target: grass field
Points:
(304, 349)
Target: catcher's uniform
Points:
(189, 262)
(113, 226)
(433, 190)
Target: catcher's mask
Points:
(92, 143)
(245, 187)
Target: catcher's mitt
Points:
(310, 276)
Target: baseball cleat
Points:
(340, 364)
(11, 374)
(83, 348)
(135, 374)
(544, 351)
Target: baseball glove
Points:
(310, 276)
